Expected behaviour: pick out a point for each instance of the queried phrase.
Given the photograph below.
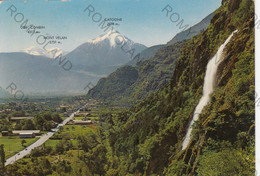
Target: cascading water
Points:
(208, 88)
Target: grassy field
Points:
(72, 131)
(53, 142)
(12, 145)
(88, 118)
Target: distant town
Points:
(24, 123)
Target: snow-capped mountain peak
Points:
(51, 53)
(113, 37)
(35, 51)
(105, 53)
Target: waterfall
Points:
(208, 88)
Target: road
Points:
(39, 142)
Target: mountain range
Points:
(42, 52)
(35, 70)
(154, 65)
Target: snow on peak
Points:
(34, 51)
(51, 53)
(114, 38)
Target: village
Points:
(21, 127)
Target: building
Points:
(82, 115)
(81, 122)
(26, 135)
(5, 133)
(20, 118)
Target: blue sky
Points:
(143, 20)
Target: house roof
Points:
(26, 131)
(82, 121)
(21, 118)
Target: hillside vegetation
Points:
(148, 139)
(129, 84)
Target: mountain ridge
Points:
(47, 53)
(181, 36)
(104, 54)
(150, 58)
(38, 71)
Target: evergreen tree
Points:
(2, 155)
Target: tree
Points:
(28, 125)
(19, 114)
(2, 155)
(59, 148)
(226, 162)
(23, 142)
(56, 117)
(48, 149)
(47, 116)
(47, 125)
(37, 152)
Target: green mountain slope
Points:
(115, 84)
(152, 75)
(148, 140)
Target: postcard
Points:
(127, 87)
